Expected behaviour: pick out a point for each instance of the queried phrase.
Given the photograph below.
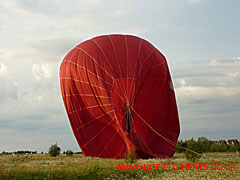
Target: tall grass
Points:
(79, 167)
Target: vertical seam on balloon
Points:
(96, 62)
(125, 37)
(108, 143)
(89, 71)
(99, 47)
(92, 120)
(139, 47)
(137, 135)
(98, 133)
(124, 134)
(117, 92)
(134, 77)
(142, 66)
(121, 76)
(111, 95)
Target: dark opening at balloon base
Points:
(122, 98)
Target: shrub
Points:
(54, 150)
(195, 147)
(130, 156)
(69, 153)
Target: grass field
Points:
(41, 166)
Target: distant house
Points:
(215, 142)
(222, 142)
(233, 141)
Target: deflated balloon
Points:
(119, 97)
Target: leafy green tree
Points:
(69, 153)
(234, 148)
(180, 146)
(54, 150)
(218, 147)
(204, 144)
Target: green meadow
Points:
(42, 166)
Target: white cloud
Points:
(4, 70)
(182, 82)
(42, 71)
(234, 75)
(197, 92)
(219, 77)
(236, 58)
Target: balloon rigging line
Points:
(145, 60)
(121, 150)
(155, 66)
(146, 107)
(88, 71)
(109, 143)
(87, 95)
(76, 80)
(166, 139)
(96, 62)
(99, 132)
(92, 120)
(89, 107)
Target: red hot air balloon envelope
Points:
(119, 96)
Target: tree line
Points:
(20, 152)
(203, 144)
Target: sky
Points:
(199, 38)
